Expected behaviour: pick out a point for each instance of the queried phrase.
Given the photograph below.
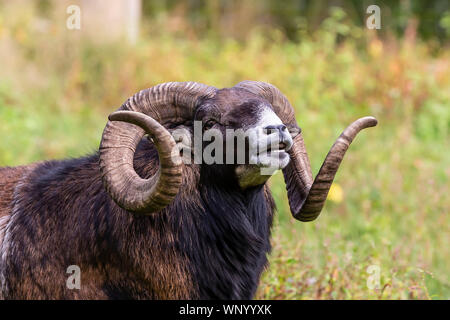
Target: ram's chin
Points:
(261, 169)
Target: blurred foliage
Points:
(389, 205)
(293, 17)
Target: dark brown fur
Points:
(9, 178)
(73, 221)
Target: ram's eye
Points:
(209, 124)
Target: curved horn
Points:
(172, 102)
(306, 197)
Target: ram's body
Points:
(211, 242)
(140, 224)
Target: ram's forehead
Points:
(234, 105)
(240, 106)
(229, 98)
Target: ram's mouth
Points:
(273, 153)
(281, 147)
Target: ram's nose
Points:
(284, 137)
(274, 128)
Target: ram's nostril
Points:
(274, 128)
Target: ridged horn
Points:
(148, 111)
(306, 197)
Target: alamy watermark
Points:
(374, 277)
(374, 20)
(73, 21)
(74, 280)
(373, 281)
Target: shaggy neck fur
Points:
(233, 236)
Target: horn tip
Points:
(113, 116)
(369, 121)
(119, 115)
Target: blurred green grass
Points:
(390, 204)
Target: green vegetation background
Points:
(389, 205)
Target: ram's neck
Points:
(227, 239)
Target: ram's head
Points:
(259, 113)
